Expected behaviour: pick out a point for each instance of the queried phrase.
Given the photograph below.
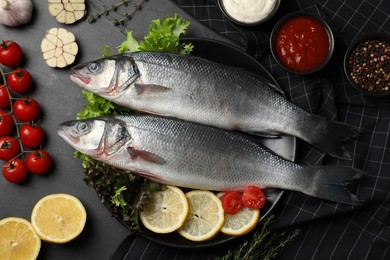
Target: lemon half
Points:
(18, 240)
(58, 218)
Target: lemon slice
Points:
(240, 223)
(18, 240)
(58, 218)
(166, 210)
(205, 217)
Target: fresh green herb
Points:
(163, 36)
(121, 191)
(117, 199)
(129, 15)
(113, 8)
(263, 243)
(106, 11)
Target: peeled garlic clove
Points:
(59, 47)
(67, 11)
(15, 12)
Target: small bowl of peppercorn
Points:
(367, 65)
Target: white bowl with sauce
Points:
(249, 12)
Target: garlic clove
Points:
(71, 48)
(79, 14)
(52, 62)
(55, 9)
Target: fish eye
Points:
(94, 67)
(82, 127)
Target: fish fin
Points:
(265, 134)
(145, 155)
(331, 137)
(149, 88)
(150, 176)
(275, 87)
(333, 183)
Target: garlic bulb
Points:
(15, 12)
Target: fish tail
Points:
(329, 136)
(333, 183)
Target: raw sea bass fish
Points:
(187, 154)
(198, 90)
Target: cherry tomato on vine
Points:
(26, 109)
(9, 148)
(15, 171)
(19, 80)
(6, 123)
(253, 197)
(232, 202)
(11, 54)
(31, 135)
(4, 97)
(39, 162)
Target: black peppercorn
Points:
(369, 65)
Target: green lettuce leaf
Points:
(162, 36)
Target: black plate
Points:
(284, 146)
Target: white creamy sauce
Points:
(248, 11)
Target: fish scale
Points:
(199, 90)
(197, 156)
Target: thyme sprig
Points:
(113, 8)
(129, 15)
(264, 244)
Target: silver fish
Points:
(202, 91)
(197, 156)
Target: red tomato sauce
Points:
(302, 43)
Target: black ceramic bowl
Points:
(290, 17)
(377, 65)
(252, 23)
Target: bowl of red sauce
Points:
(302, 43)
(367, 64)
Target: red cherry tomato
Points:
(9, 148)
(15, 171)
(19, 80)
(39, 162)
(232, 202)
(253, 197)
(4, 97)
(31, 136)
(6, 123)
(26, 109)
(11, 54)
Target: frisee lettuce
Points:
(122, 192)
(163, 36)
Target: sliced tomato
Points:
(232, 202)
(253, 197)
